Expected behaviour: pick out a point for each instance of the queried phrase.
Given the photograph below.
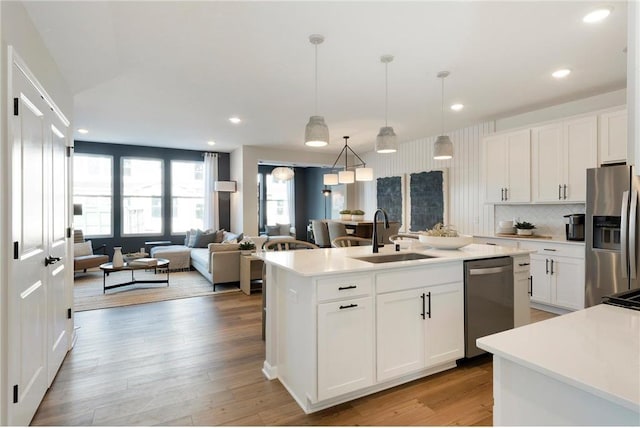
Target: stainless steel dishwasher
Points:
(488, 300)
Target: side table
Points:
(250, 269)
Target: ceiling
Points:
(171, 73)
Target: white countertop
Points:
(554, 239)
(596, 349)
(327, 261)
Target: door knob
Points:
(51, 260)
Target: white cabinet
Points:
(419, 328)
(557, 281)
(521, 291)
(561, 153)
(613, 136)
(507, 167)
(345, 346)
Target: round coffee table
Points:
(107, 268)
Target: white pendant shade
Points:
(282, 173)
(346, 177)
(330, 179)
(364, 174)
(386, 141)
(443, 148)
(316, 133)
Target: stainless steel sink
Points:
(396, 257)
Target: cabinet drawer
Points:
(342, 287)
(521, 264)
(496, 241)
(406, 279)
(554, 249)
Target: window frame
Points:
(111, 197)
(172, 196)
(161, 197)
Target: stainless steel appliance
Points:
(574, 227)
(611, 232)
(488, 300)
(627, 299)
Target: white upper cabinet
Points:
(507, 167)
(613, 136)
(561, 154)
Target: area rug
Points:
(88, 295)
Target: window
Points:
(93, 191)
(187, 196)
(277, 207)
(141, 196)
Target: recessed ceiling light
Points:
(559, 74)
(83, 131)
(597, 15)
(211, 143)
(235, 120)
(457, 107)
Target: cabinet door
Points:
(345, 346)
(519, 166)
(495, 155)
(540, 279)
(547, 171)
(580, 153)
(613, 136)
(400, 333)
(444, 326)
(568, 283)
(521, 313)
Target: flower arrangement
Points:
(357, 215)
(345, 215)
(247, 246)
(524, 228)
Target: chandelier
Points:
(351, 173)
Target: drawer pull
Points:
(490, 243)
(353, 305)
(523, 264)
(347, 287)
(549, 249)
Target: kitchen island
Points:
(338, 328)
(582, 368)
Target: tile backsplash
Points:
(548, 219)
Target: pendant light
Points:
(386, 141)
(443, 148)
(316, 133)
(282, 173)
(351, 173)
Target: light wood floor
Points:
(198, 361)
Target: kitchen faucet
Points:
(374, 238)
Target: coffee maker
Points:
(574, 227)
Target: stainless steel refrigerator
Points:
(611, 232)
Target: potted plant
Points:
(357, 215)
(345, 215)
(524, 228)
(246, 247)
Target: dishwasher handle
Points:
(489, 271)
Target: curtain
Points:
(211, 206)
(291, 199)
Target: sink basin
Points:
(397, 257)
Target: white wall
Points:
(17, 30)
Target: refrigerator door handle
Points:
(624, 232)
(633, 218)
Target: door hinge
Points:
(69, 148)
(68, 313)
(16, 103)
(15, 394)
(68, 232)
(15, 250)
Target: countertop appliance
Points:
(488, 300)
(627, 299)
(574, 227)
(611, 232)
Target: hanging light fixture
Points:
(443, 148)
(316, 133)
(282, 173)
(386, 141)
(351, 173)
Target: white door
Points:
(580, 153)
(57, 292)
(519, 166)
(495, 155)
(540, 281)
(345, 346)
(547, 170)
(400, 333)
(27, 309)
(568, 284)
(444, 327)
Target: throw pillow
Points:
(232, 237)
(193, 237)
(285, 229)
(219, 236)
(273, 230)
(204, 239)
(82, 249)
(186, 238)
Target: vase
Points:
(525, 232)
(357, 217)
(117, 261)
(345, 217)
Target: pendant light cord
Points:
(316, 78)
(442, 109)
(386, 93)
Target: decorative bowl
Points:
(445, 243)
(134, 256)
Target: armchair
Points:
(84, 256)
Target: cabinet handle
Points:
(353, 305)
(490, 243)
(502, 193)
(506, 193)
(565, 191)
(551, 266)
(423, 313)
(523, 264)
(429, 311)
(530, 285)
(559, 191)
(549, 249)
(347, 287)
(546, 266)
